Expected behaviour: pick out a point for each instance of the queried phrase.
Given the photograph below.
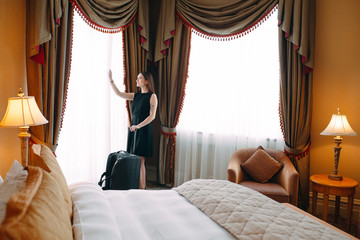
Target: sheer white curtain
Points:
(231, 102)
(95, 121)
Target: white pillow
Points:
(15, 181)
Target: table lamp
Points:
(22, 112)
(338, 126)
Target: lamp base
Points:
(24, 136)
(335, 177)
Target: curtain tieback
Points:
(171, 134)
(167, 132)
(297, 153)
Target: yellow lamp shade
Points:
(21, 112)
(338, 126)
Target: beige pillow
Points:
(38, 211)
(41, 156)
(15, 181)
(261, 166)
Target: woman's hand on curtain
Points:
(124, 95)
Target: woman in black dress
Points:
(143, 107)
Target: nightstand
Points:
(345, 187)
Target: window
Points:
(95, 120)
(232, 100)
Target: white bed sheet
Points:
(138, 214)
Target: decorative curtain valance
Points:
(108, 16)
(216, 20)
(223, 18)
(115, 16)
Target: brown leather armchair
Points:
(282, 187)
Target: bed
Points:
(43, 206)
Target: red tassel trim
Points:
(97, 26)
(124, 81)
(281, 120)
(300, 155)
(183, 93)
(228, 37)
(68, 80)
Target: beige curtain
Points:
(48, 41)
(296, 44)
(172, 50)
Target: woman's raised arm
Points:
(126, 96)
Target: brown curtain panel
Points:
(172, 81)
(172, 49)
(48, 40)
(296, 46)
(135, 59)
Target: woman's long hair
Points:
(148, 77)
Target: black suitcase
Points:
(122, 171)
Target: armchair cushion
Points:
(272, 190)
(269, 168)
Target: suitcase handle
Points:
(102, 179)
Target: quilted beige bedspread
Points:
(248, 214)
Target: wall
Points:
(12, 73)
(336, 85)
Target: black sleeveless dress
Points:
(140, 142)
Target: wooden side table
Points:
(345, 187)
